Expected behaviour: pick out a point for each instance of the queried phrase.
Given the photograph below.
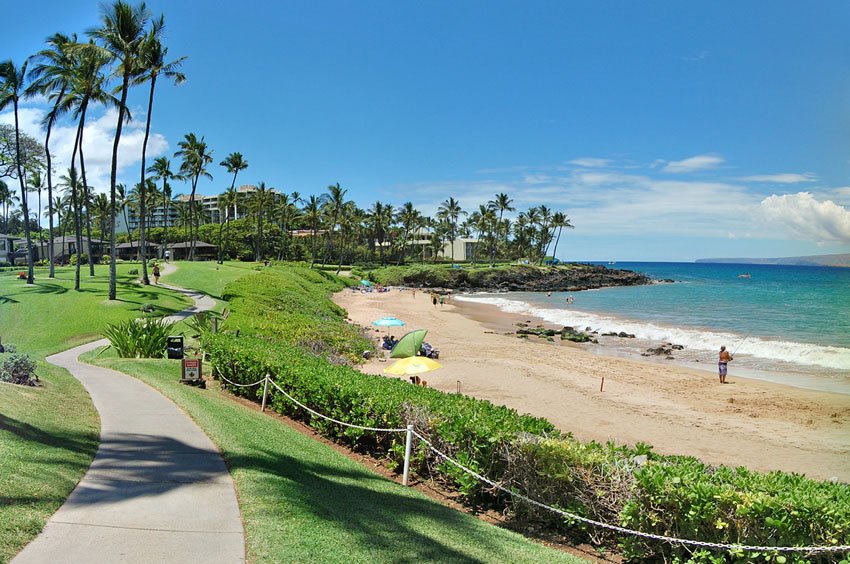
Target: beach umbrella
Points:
(409, 344)
(388, 322)
(412, 365)
(366, 283)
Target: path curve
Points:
(157, 490)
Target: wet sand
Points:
(679, 410)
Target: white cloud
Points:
(98, 138)
(817, 221)
(693, 164)
(591, 162)
(782, 178)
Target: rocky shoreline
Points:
(565, 278)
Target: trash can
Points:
(174, 347)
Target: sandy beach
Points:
(746, 422)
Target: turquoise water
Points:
(789, 324)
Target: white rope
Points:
(316, 413)
(220, 375)
(672, 540)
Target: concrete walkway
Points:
(157, 490)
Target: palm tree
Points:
(502, 203)
(335, 201)
(153, 56)
(88, 201)
(50, 76)
(122, 34)
(560, 220)
(161, 169)
(450, 211)
(123, 202)
(11, 89)
(285, 212)
(410, 219)
(196, 157)
(36, 184)
(5, 201)
(226, 202)
(349, 220)
(71, 182)
(100, 210)
(259, 202)
(233, 164)
(313, 216)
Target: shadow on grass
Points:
(75, 442)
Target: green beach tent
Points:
(409, 345)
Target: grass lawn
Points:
(302, 501)
(48, 437)
(51, 316)
(208, 277)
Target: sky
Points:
(664, 130)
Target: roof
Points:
(134, 245)
(186, 244)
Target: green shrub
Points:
(279, 312)
(139, 338)
(19, 369)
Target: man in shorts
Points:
(723, 363)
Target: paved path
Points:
(157, 490)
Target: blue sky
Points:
(665, 131)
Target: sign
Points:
(191, 370)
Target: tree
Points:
(410, 219)
(502, 203)
(226, 202)
(36, 184)
(234, 163)
(259, 202)
(100, 211)
(450, 211)
(196, 156)
(334, 202)
(50, 75)
(123, 200)
(559, 221)
(161, 169)
(152, 57)
(122, 33)
(11, 89)
(313, 217)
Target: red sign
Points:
(191, 369)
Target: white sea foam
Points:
(806, 354)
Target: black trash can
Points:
(174, 347)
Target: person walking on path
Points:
(156, 274)
(723, 363)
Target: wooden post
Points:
(458, 386)
(265, 393)
(407, 448)
(602, 384)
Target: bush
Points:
(84, 259)
(19, 369)
(629, 486)
(139, 338)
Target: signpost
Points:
(191, 371)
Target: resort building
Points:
(63, 248)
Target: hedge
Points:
(630, 486)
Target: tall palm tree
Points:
(36, 184)
(153, 56)
(234, 163)
(196, 156)
(313, 217)
(100, 210)
(122, 33)
(335, 201)
(11, 90)
(161, 169)
(88, 202)
(5, 201)
(50, 75)
(259, 203)
(409, 218)
(502, 203)
(450, 211)
(123, 202)
(226, 202)
(71, 182)
(559, 221)
(286, 213)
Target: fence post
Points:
(407, 448)
(265, 392)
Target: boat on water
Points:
(744, 275)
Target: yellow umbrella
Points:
(412, 365)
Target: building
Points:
(209, 206)
(130, 251)
(7, 246)
(65, 247)
(203, 251)
(421, 241)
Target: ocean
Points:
(786, 324)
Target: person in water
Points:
(723, 363)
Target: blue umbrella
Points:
(388, 322)
(366, 283)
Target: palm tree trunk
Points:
(40, 230)
(85, 193)
(50, 184)
(555, 252)
(145, 280)
(165, 222)
(75, 202)
(220, 228)
(113, 256)
(25, 207)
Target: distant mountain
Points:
(842, 260)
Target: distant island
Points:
(841, 260)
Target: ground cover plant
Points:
(208, 277)
(302, 501)
(630, 486)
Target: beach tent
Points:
(409, 345)
(366, 283)
(412, 365)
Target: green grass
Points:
(209, 277)
(48, 437)
(51, 316)
(303, 501)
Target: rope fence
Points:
(411, 433)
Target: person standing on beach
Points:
(442, 300)
(723, 363)
(434, 299)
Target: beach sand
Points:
(752, 423)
